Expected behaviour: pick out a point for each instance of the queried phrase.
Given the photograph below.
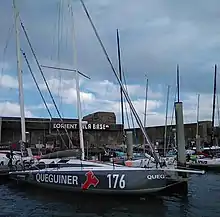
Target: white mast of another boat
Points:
(79, 111)
(121, 92)
(218, 113)
(197, 127)
(19, 71)
(165, 130)
(213, 107)
(145, 111)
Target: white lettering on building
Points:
(63, 126)
(87, 126)
(57, 179)
(84, 126)
(156, 176)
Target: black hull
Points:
(141, 192)
(175, 187)
(131, 182)
(172, 188)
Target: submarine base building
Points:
(100, 129)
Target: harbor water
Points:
(202, 200)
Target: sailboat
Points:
(79, 175)
(201, 160)
(148, 161)
(18, 158)
(12, 157)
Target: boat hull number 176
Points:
(116, 181)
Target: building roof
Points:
(186, 124)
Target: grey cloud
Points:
(155, 36)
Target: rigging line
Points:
(66, 20)
(118, 79)
(146, 102)
(127, 117)
(62, 19)
(35, 81)
(125, 82)
(42, 97)
(58, 31)
(218, 113)
(3, 109)
(66, 69)
(132, 118)
(10, 30)
(59, 39)
(45, 81)
(53, 44)
(172, 117)
(126, 108)
(53, 39)
(8, 38)
(135, 132)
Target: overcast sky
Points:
(156, 35)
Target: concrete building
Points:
(100, 128)
(156, 133)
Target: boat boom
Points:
(185, 171)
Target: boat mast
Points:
(165, 130)
(121, 92)
(197, 120)
(218, 111)
(218, 116)
(178, 82)
(19, 71)
(197, 127)
(145, 110)
(178, 98)
(79, 110)
(213, 107)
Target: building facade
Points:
(156, 134)
(100, 129)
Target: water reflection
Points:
(92, 205)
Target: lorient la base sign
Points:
(69, 126)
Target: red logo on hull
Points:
(91, 179)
